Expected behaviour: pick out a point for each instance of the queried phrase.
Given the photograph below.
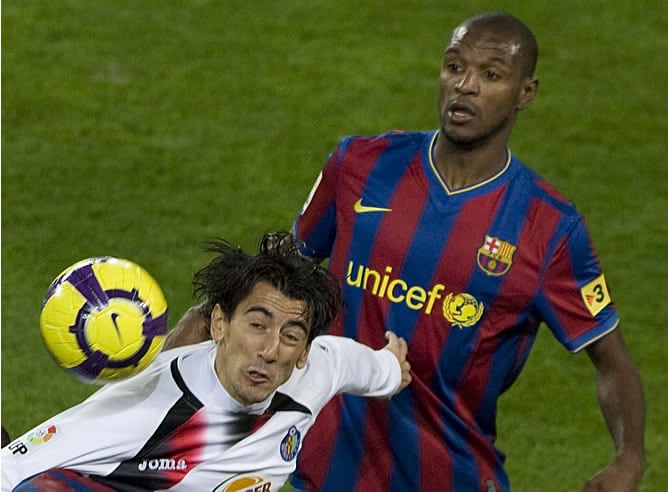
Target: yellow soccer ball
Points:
(104, 319)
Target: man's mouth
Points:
(257, 376)
(459, 112)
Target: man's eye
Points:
(292, 338)
(453, 67)
(491, 75)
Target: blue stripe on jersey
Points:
(404, 442)
(418, 268)
(321, 238)
(324, 232)
(343, 470)
(507, 224)
(366, 225)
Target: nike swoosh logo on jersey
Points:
(362, 209)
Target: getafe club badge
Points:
(495, 256)
(290, 444)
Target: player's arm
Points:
(622, 402)
(315, 226)
(574, 274)
(55, 443)
(360, 370)
(193, 327)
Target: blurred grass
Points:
(141, 129)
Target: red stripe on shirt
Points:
(466, 237)
(519, 286)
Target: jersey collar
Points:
(439, 177)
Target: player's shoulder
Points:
(315, 383)
(528, 179)
(323, 347)
(166, 356)
(326, 344)
(326, 351)
(388, 138)
(162, 363)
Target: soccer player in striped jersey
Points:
(447, 238)
(227, 414)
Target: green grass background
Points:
(142, 128)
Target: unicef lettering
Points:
(162, 464)
(394, 289)
(461, 310)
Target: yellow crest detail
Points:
(462, 310)
(595, 295)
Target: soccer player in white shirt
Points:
(226, 414)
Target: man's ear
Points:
(301, 362)
(528, 92)
(218, 323)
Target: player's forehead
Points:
(486, 41)
(266, 300)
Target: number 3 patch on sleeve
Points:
(595, 295)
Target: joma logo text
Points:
(161, 464)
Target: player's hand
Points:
(399, 348)
(192, 328)
(618, 476)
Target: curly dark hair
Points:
(232, 274)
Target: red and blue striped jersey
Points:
(466, 277)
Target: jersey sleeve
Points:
(93, 436)
(315, 226)
(574, 301)
(358, 369)
(68, 440)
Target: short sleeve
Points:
(574, 299)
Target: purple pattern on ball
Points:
(84, 280)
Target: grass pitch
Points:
(141, 129)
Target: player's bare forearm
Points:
(622, 402)
(193, 327)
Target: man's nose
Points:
(270, 349)
(469, 83)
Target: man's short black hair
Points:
(232, 274)
(508, 24)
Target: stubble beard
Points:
(473, 141)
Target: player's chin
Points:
(459, 135)
(257, 392)
(256, 395)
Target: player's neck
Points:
(462, 166)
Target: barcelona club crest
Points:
(495, 256)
